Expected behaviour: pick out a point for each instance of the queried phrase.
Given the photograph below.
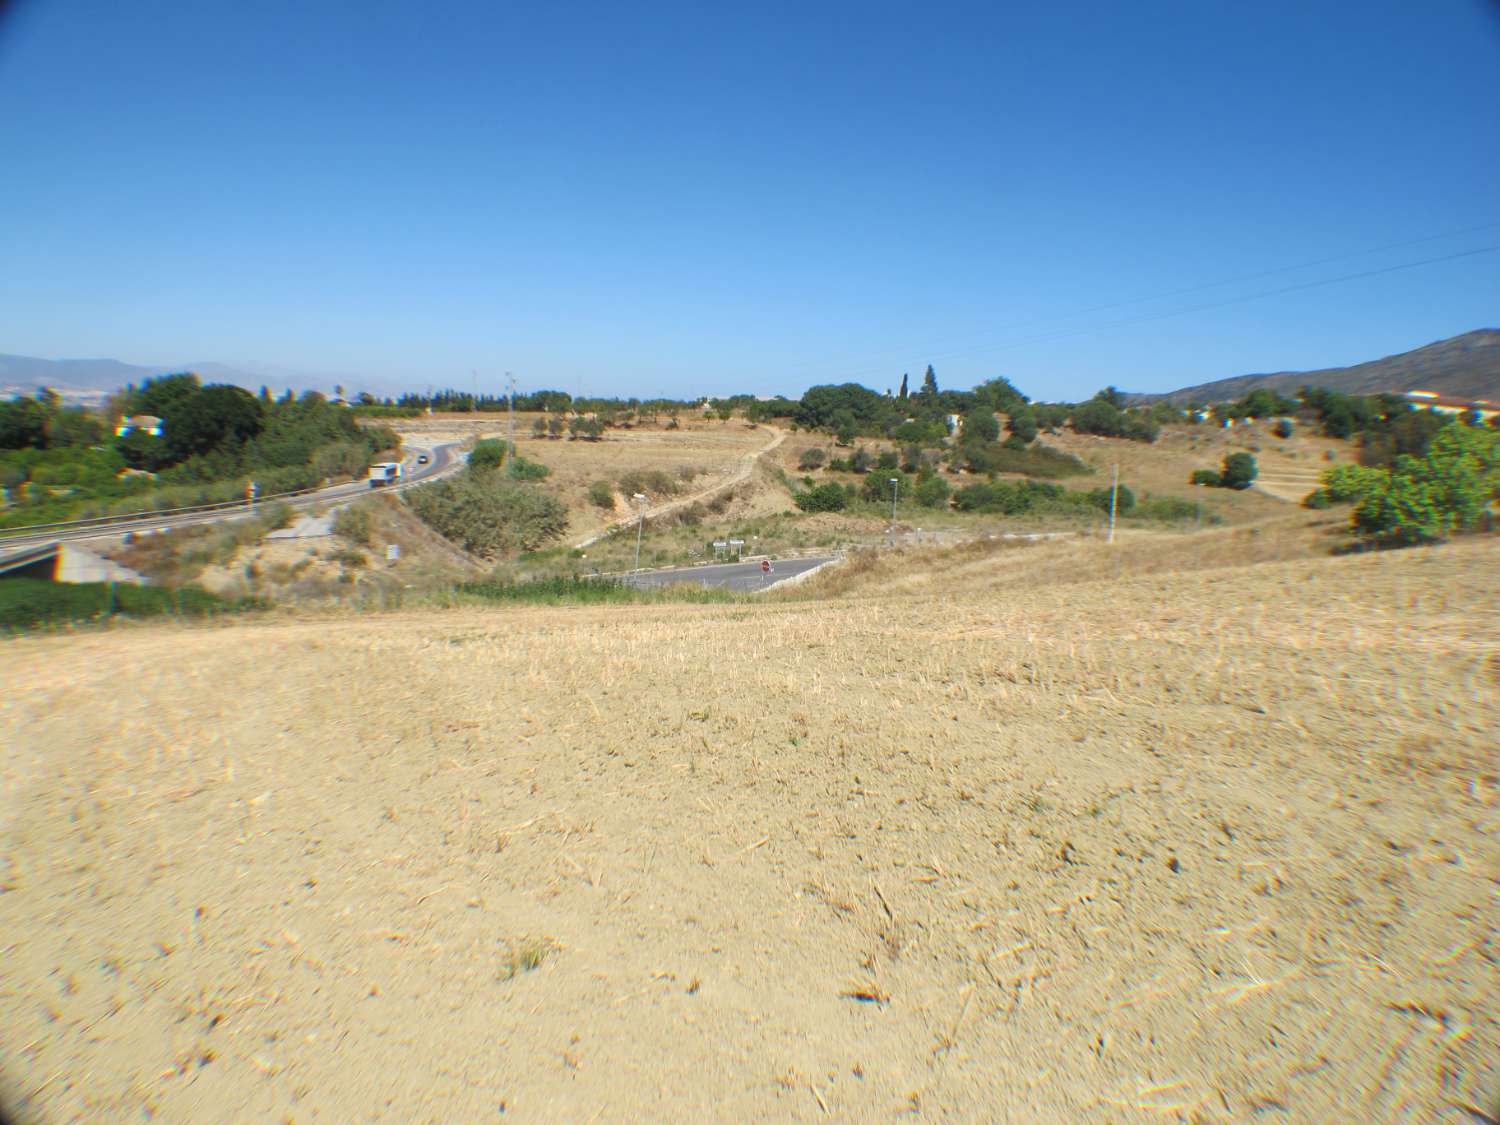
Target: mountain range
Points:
(1466, 367)
(92, 380)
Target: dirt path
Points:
(740, 475)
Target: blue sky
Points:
(707, 198)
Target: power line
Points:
(1061, 333)
(870, 357)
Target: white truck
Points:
(383, 473)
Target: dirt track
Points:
(1183, 848)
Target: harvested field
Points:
(1157, 844)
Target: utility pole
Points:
(640, 498)
(1114, 492)
(511, 434)
(895, 488)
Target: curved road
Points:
(445, 459)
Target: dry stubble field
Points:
(1206, 846)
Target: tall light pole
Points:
(895, 488)
(640, 527)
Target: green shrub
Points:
(353, 523)
(1426, 499)
(812, 458)
(862, 461)
(1172, 509)
(488, 515)
(1239, 471)
(28, 602)
(602, 495)
(1283, 428)
(1207, 478)
(829, 497)
(932, 491)
(877, 486)
(487, 455)
(1345, 483)
(522, 469)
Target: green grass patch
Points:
(27, 603)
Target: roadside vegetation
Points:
(32, 603)
(194, 445)
(1450, 489)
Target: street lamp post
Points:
(895, 488)
(640, 527)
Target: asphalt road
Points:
(444, 459)
(742, 577)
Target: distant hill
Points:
(1466, 366)
(91, 380)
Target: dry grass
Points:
(1190, 842)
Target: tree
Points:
(158, 396)
(1239, 471)
(1113, 396)
(1022, 424)
(980, 426)
(903, 392)
(23, 424)
(877, 486)
(813, 458)
(929, 383)
(216, 417)
(845, 427)
(1099, 416)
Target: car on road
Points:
(422, 458)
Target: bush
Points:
(861, 462)
(1283, 428)
(1239, 471)
(653, 482)
(602, 495)
(1124, 499)
(522, 469)
(932, 492)
(1207, 478)
(813, 458)
(1170, 509)
(877, 486)
(1424, 500)
(353, 523)
(1345, 483)
(488, 515)
(829, 497)
(487, 455)
(886, 461)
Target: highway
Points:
(444, 459)
(740, 577)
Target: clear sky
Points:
(702, 198)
